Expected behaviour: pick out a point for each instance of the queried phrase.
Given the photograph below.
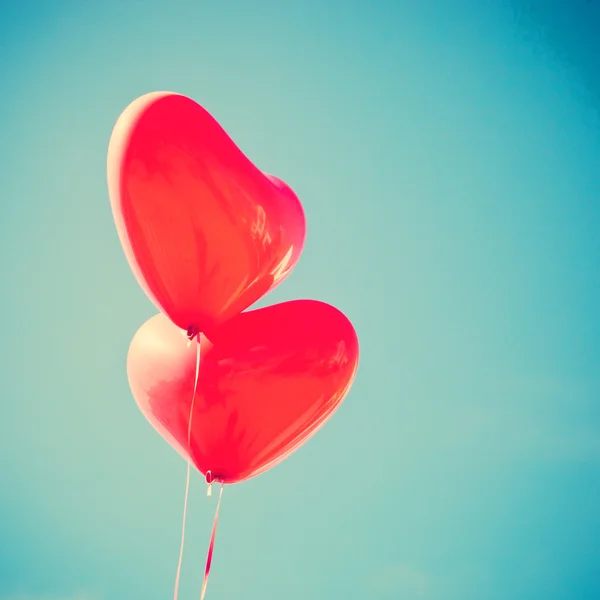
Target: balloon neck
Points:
(209, 481)
(193, 332)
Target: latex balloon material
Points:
(267, 382)
(205, 232)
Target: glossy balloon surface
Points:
(205, 232)
(268, 380)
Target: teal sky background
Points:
(447, 154)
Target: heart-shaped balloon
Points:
(268, 380)
(205, 232)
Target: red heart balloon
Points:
(268, 380)
(205, 232)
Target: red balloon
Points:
(268, 380)
(205, 232)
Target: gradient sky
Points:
(448, 157)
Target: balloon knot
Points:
(193, 332)
(209, 482)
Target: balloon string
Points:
(211, 546)
(187, 477)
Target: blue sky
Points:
(447, 155)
